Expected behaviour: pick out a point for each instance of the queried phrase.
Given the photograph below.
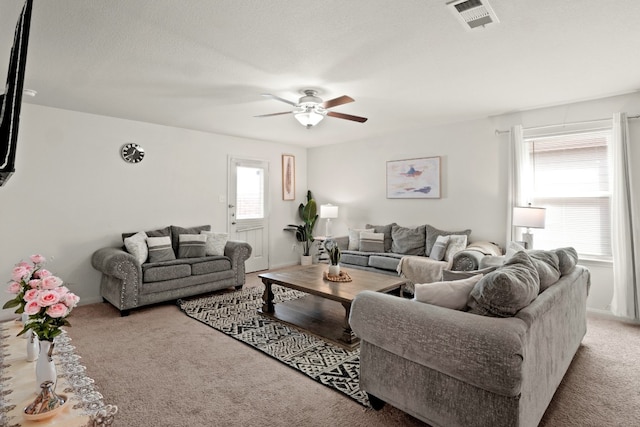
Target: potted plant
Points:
(304, 232)
(334, 257)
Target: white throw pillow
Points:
(354, 238)
(457, 243)
(215, 243)
(439, 248)
(453, 294)
(137, 246)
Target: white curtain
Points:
(624, 234)
(519, 178)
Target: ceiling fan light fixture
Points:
(307, 116)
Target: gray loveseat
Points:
(455, 368)
(127, 283)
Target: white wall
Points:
(72, 193)
(474, 176)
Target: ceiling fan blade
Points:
(274, 114)
(344, 99)
(346, 116)
(268, 95)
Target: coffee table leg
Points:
(347, 334)
(267, 297)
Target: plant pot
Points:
(334, 270)
(306, 260)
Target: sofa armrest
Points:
(121, 276)
(238, 252)
(486, 352)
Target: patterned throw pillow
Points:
(191, 245)
(371, 242)
(457, 243)
(160, 249)
(439, 248)
(354, 238)
(216, 242)
(137, 246)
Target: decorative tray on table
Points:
(342, 277)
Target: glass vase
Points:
(45, 368)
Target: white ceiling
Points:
(202, 64)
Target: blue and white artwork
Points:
(414, 178)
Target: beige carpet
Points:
(162, 368)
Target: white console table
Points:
(84, 407)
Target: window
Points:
(250, 193)
(571, 179)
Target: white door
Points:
(248, 208)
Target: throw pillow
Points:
(567, 259)
(439, 248)
(453, 294)
(432, 234)
(137, 246)
(191, 245)
(457, 243)
(507, 290)
(160, 249)
(512, 248)
(177, 231)
(408, 241)
(386, 230)
(216, 242)
(354, 238)
(546, 263)
(371, 242)
(153, 233)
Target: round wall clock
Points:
(132, 153)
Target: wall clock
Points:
(132, 153)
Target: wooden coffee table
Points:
(313, 313)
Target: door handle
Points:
(232, 206)
(233, 223)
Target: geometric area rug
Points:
(236, 314)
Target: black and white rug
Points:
(235, 314)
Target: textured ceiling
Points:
(202, 64)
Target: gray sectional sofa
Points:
(128, 283)
(457, 368)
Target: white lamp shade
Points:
(308, 117)
(328, 211)
(526, 216)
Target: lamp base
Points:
(527, 238)
(327, 231)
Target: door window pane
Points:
(249, 193)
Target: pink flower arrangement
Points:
(41, 295)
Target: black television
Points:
(11, 99)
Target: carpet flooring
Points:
(236, 314)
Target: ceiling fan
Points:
(310, 109)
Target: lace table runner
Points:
(17, 384)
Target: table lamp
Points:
(529, 217)
(328, 212)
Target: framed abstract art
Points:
(414, 178)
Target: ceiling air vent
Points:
(473, 13)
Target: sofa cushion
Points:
(384, 262)
(508, 289)
(546, 263)
(177, 231)
(439, 248)
(457, 275)
(159, 273)
(567, 259)
(432, 234)
(457, 243)
(355, 258)
(160, 249)
(408, 241)
(386, 230)
(216, 243)
(354, 238)
(450, 294)
(137, 246)
(220, 263)
(191, 245)
(371, 242)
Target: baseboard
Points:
(606, 314)
(92, 300)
